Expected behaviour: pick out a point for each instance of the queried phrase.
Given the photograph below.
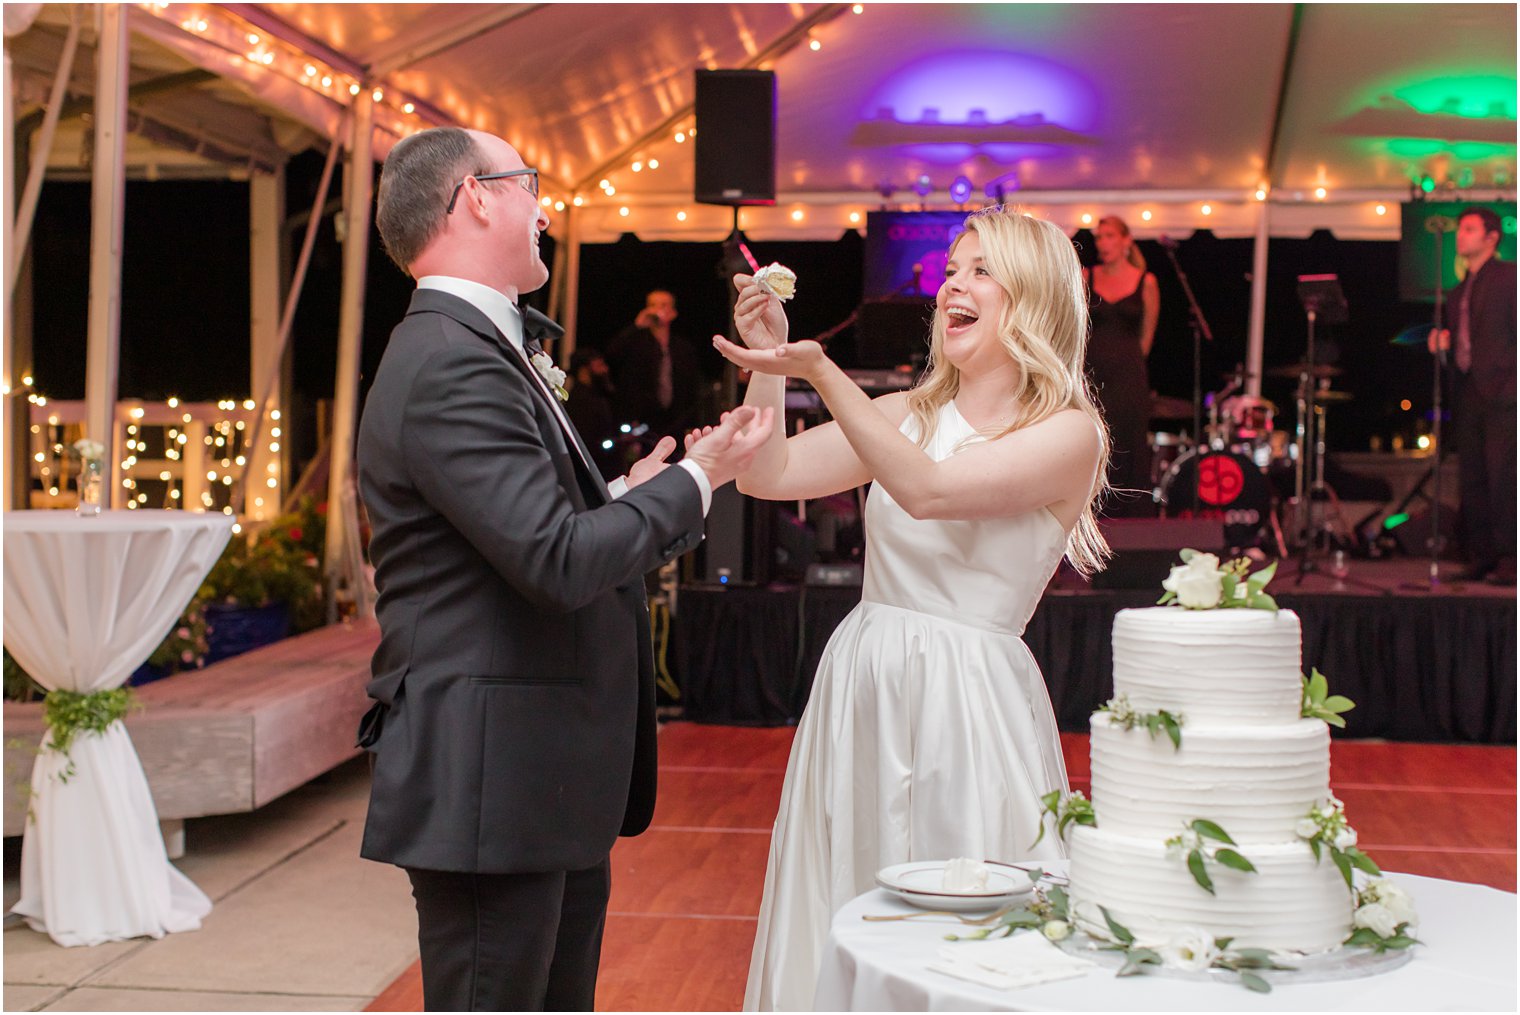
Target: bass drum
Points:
(1229, 486)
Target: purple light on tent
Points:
(949, 106)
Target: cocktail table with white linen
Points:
(86, 601)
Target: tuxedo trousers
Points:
(510, 942)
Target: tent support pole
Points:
(342, 551)
(108, 195)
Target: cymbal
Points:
(1168, 407)
(1333, 396)
(1298, 369)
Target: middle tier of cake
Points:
(1255, 782)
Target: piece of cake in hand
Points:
(778, 280)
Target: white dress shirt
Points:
(503, 313)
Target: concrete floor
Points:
(300, 922)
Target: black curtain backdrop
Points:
(1432, 669)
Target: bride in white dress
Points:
(929, 734)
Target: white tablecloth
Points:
(86, 602)
(1466, 963)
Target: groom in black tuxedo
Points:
(513, 731)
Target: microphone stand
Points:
(1200, 328)
(1438, 226)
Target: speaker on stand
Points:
(736, 137)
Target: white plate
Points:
(922, 884)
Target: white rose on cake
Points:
(1307, 828)
(1191, 949)
(1377, 918)
(1394, 899)
(1345, 838)
(1198, 585)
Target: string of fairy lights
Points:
(158, 437)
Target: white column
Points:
(1256, 336)
(357, 180)
(266, 216)
(108, 194)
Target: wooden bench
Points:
(233, 736)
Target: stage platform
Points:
(1421, 664)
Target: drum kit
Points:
(1246, 472)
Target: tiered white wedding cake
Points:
(1208, 783)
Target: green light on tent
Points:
(1486, 96)
(1394, 521)
(1427, 184)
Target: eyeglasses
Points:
(530, 184)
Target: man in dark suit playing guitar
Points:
(513, 731)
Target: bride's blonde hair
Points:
(1043, 327)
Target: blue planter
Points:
(146, 674)
(233, 630)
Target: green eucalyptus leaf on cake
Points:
(1320, 704)
(1221, 943)
(1200, 874)
(1343, 862)
(1253, 982)
(1173, 728)
(1136, 959)
(1234, 860)
(1117, 929)
(1059, 903)
(1209, 830)
(1361, 861)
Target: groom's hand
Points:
(729, 448)
(652, 464)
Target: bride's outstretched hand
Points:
(758, 314)
(795, 359)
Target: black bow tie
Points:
(536, 329)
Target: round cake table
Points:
(1466, 961)
(86, 601)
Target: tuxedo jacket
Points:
(513, 728)
(1491, 327)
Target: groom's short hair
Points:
(415, 184)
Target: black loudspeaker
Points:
(723, 551)
(736, 137)
(1145, 549)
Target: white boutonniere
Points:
(552, 375)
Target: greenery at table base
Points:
(1050, 914)
(69, 713)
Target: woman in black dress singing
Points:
(1124, 308)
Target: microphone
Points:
(1167, 242)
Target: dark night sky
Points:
(185, 302)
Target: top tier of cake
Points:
(1227, 667)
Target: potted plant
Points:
(266, 587)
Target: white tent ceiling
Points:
(1077, 108)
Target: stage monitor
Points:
(1417, 244)
(897, 241)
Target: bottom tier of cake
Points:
(1292, 902)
